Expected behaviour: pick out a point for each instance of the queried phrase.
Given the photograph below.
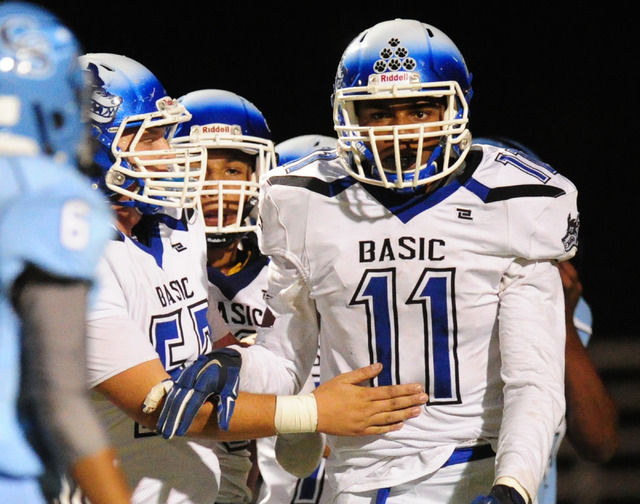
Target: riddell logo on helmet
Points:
(394, 77)
(217, 128)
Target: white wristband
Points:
(296, 414)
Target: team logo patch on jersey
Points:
(570, 239)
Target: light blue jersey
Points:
(583, 320)
(49, 218)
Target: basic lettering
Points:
(406, 248)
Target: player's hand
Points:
(345, 408)
(500, 494)
(215, 374)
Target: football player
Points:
(409, 247)
(151, 358)
(53, 228)
(591, 417)
(278, 485)
(239, 150)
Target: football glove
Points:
(500, 494)
(215, 374)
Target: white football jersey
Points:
(152, 304)
(456, 290)
(239, 298)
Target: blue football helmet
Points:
(224, 120)
(127, 97)
(299, 146)
(41, 85)
(402, 59)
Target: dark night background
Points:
(560, 77)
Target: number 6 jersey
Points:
(457, 290)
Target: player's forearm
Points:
(100, 479)
(290, 346)
(526, 438)
(340, 406)
(592, 419)
(532, 350)
(265, 372)
(54, 370)
(253, 417)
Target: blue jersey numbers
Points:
(434, 299)
(167, 335)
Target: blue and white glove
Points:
(500, 494)
(215, 374)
